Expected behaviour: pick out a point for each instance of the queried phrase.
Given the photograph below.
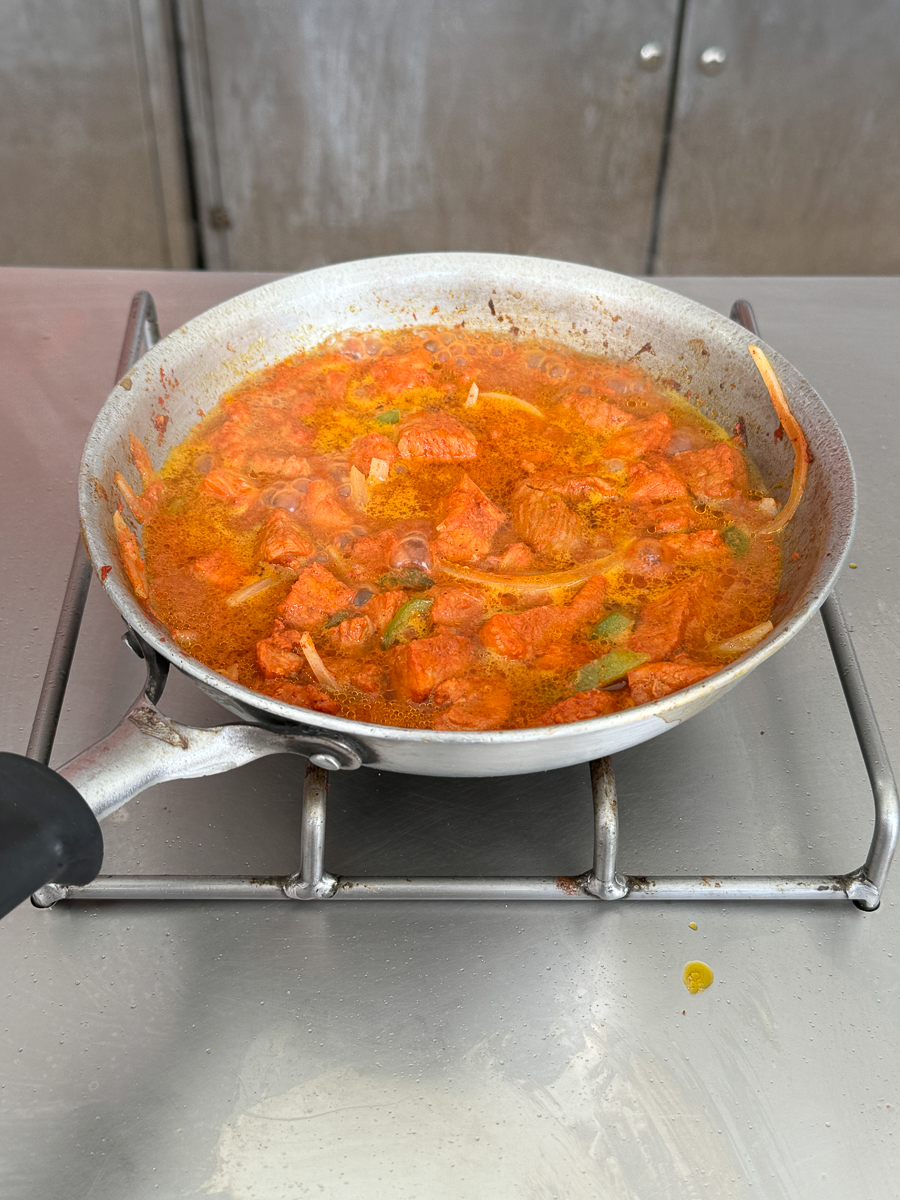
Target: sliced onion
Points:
(359, 492)
(795, 434)
(378, 470)
(141, 460)
(544, 582)
(318, 668)
(252, 589)
(515, 402)
(132, 559)
(744, 641)
(141, 507)
(472, 396)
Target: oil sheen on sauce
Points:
(437, 528)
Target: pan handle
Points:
(49, 830)
(48, 834)
(148, 748)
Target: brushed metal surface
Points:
(785, 159)
(91, 161)
(242, 1051)
(332, 131)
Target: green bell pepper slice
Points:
(609, 669)
(409, 618)
(611, 627)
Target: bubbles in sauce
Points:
(573, 541)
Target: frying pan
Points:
(50, 819)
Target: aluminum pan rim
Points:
(384, 272)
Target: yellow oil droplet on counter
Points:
(692, 924)
(697, 977)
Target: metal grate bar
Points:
(141, 332)
(59, 664)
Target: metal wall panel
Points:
(91, 169)
(788, 160)
(337, 129)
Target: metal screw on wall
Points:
(651, 56)
(712, 60)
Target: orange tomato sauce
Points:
(434, 528)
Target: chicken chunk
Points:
(643, 436)
(527, 635)
(279, 654)
(457, 610)
(716, 473)
(315, 596)
(597, 414)
(418, 667)
(352, 635)
(253, 429)
(544, 520)
(566, 656)
(587, 603)
(662, 623)
(368, 677)
(672, 518)
(515, 558)
(319, 510)
(656, 484)
(282, 540)
(578, 487)
(582, 707)
(284, 466)
(399, 373)
(303, 695)
(435, 437)
(382, 608)
(220, 568)
(373, 445)
(654, 680)
(474, 702)
(471, 521)
(370, 556)
(702, 546)
(649, 558)
(224, 484)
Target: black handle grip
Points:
(47, 832)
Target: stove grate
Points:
(863, 886)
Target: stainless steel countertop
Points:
(450, 1050)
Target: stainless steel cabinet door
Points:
(90, 136)
(785, 157)
(328, 130)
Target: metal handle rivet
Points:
(328, 762)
